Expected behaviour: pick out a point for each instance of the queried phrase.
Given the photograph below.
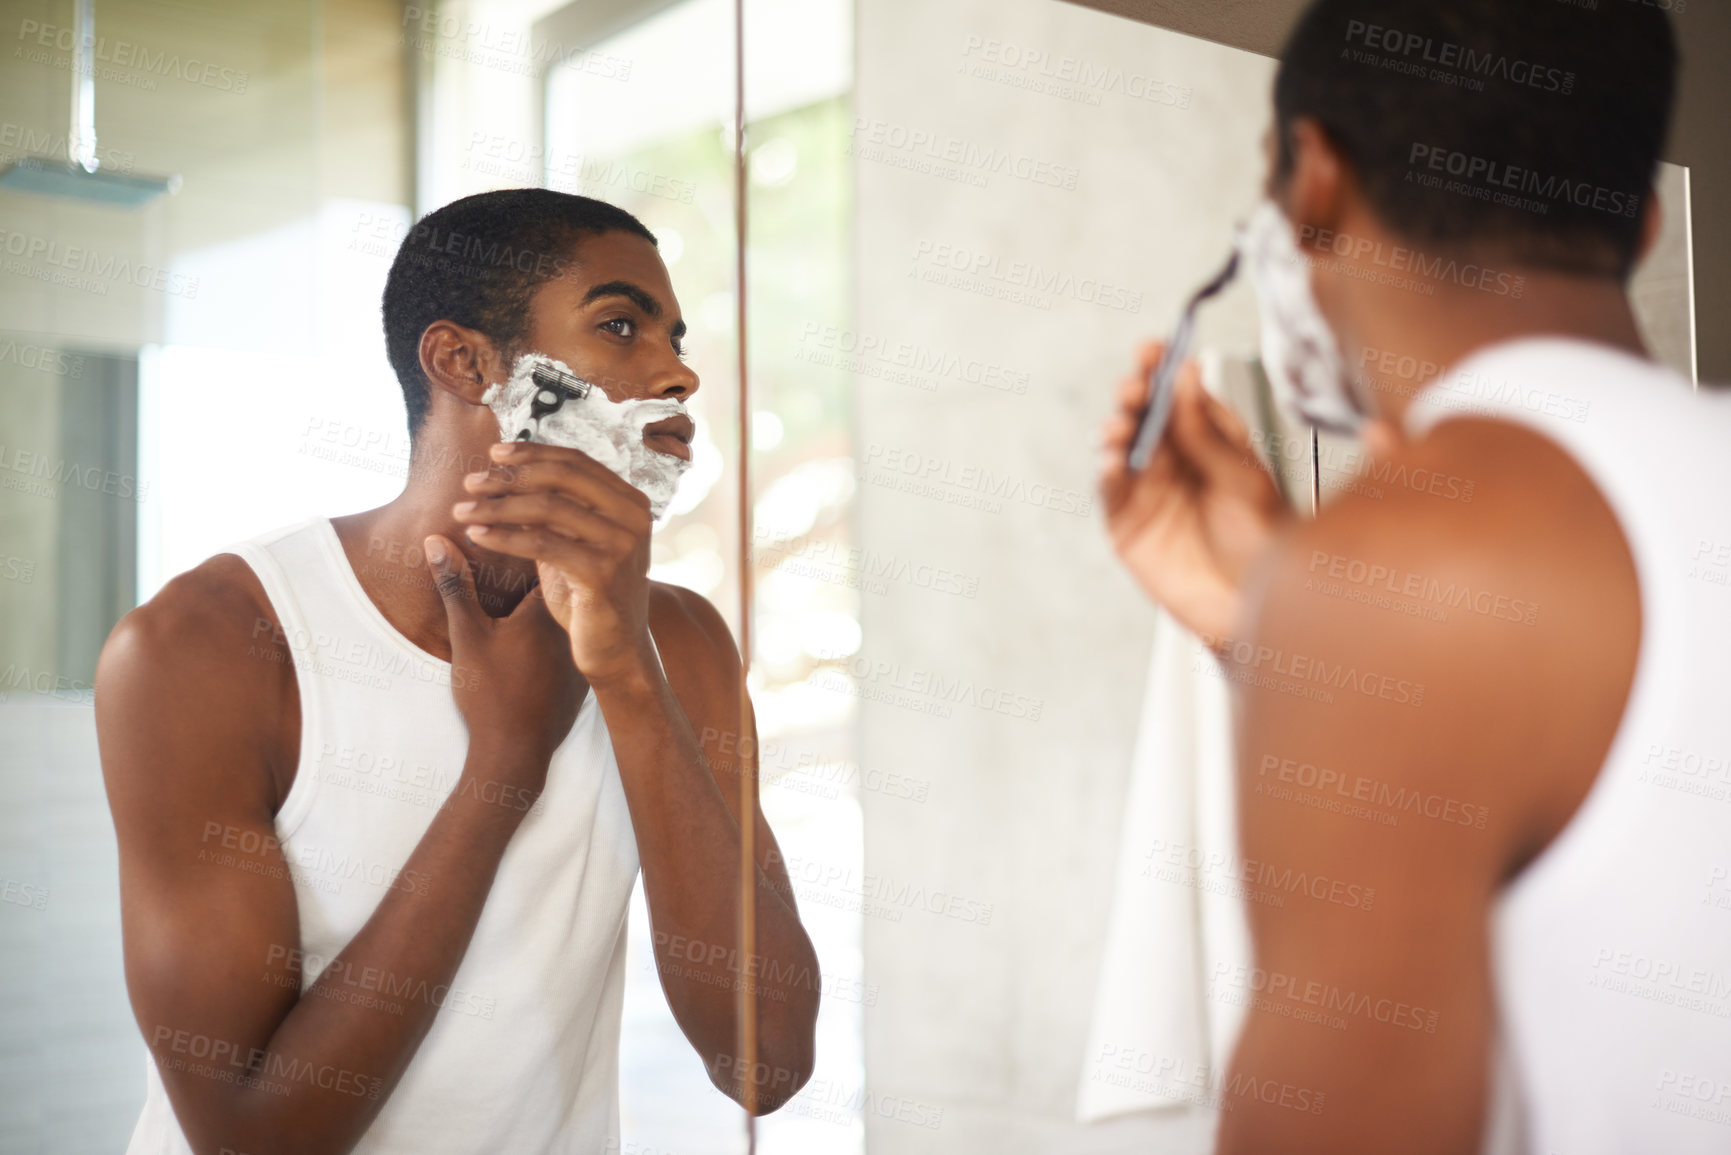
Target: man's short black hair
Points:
(1521, 130)
(477, 262)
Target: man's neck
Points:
(1444, 330)
(384, 547)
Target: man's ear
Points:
(460, 361)
(1315, 189)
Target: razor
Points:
(553, 387)
(1162, 382)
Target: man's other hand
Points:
(512, 677)
(1189, 526)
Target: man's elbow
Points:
(792, 1066)
(783, 1066)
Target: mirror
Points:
(998, 778)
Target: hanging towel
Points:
(1157, 1040)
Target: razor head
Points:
(554, 387)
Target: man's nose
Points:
(677, 383)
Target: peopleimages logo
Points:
(1022, 282)
(1285, 994)
(883, 140)
(1451, 59)
(860, 351)
(1365, 258)
(1065, 77)
(87, 269)
(21, 140)
(123, 55)
(1500, 183)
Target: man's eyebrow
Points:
(636, 294)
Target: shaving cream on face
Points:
(609, 431)
(1306, 371)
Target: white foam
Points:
(609, 431)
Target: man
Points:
(379, 818)
(1490, 688)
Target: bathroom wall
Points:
(1039, 187)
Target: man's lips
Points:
(671, 435)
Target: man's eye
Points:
(620, 326)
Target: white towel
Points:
(1157, 1040)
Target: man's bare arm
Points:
(681, 745)
(190, 696)
(589, 532)
(1456, 745)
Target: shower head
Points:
(80, 176)
(36, 174)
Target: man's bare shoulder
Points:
(1521, 535)
(702, 665)
(211, 613)
(201, 663)
(688, 622)
(1506, 611)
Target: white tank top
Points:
(1612, 950)
(523, 1054)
